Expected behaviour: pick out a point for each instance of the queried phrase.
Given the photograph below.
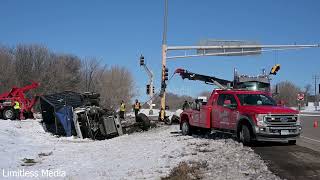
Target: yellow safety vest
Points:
(123, 107)
(16, 105)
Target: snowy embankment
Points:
(149, 155)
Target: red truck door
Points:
(196, 117)
(226, 112)
(205, 118)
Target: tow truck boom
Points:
(221, 83)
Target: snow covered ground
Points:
(146, 155)
(155, 113)
(308, 109)
(311, 109)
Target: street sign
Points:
(300, 97)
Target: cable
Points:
(158, 91)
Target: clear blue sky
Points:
(119, 31)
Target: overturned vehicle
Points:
(74, 114)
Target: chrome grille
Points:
(281, 120)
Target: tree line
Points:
(287, 94)
(22, 64)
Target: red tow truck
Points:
(16, 94)
(250, 115)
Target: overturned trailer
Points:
(70, 113)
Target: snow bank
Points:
(147, 155)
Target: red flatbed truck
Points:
(248, 115)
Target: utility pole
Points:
(315, 77)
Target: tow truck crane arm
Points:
(221, 83)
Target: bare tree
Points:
(61, 72)
(288, 93)
(116, 85)
(307, 92)
(92, 72)
(30, 63)
(175, 101)
(7, 70)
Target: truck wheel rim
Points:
(185, 128)
(241, 136)
(8, 114)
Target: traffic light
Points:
(141, 60)
(153, 89)
(275, 69)
(163, 85)
(148, 88)
(319, 89)
(166, 73)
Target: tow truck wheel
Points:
(245, 136)
(8, 114)
(292, 142)
(185, 128)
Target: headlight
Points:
(260, 120)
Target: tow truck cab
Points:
(249, 115)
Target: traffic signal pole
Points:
(164, 63)
(150, 83)
(218, 50)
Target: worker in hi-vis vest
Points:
(16, 108)
(136, 108)
(122, 110)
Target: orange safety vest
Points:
(137, 106)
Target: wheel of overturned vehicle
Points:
(168, 121)
(292, 142)
(245, 136)
(144, 121)
(8, 114)
(185, 128)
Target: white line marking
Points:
(316, 115)
(310, 139)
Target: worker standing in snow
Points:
(185, 105)
(17, 108)
(122, 110)
(136, 108)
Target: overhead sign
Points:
(300, 97)
(229, 48)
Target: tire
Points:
(168, 121)
(186, 128)
(144, 120)
(245, 135)
(292, 142)
(175, 119)
(8, 114)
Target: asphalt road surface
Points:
(296, 162)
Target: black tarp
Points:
(58, 103)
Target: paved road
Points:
(310, 136)
(301, 161)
